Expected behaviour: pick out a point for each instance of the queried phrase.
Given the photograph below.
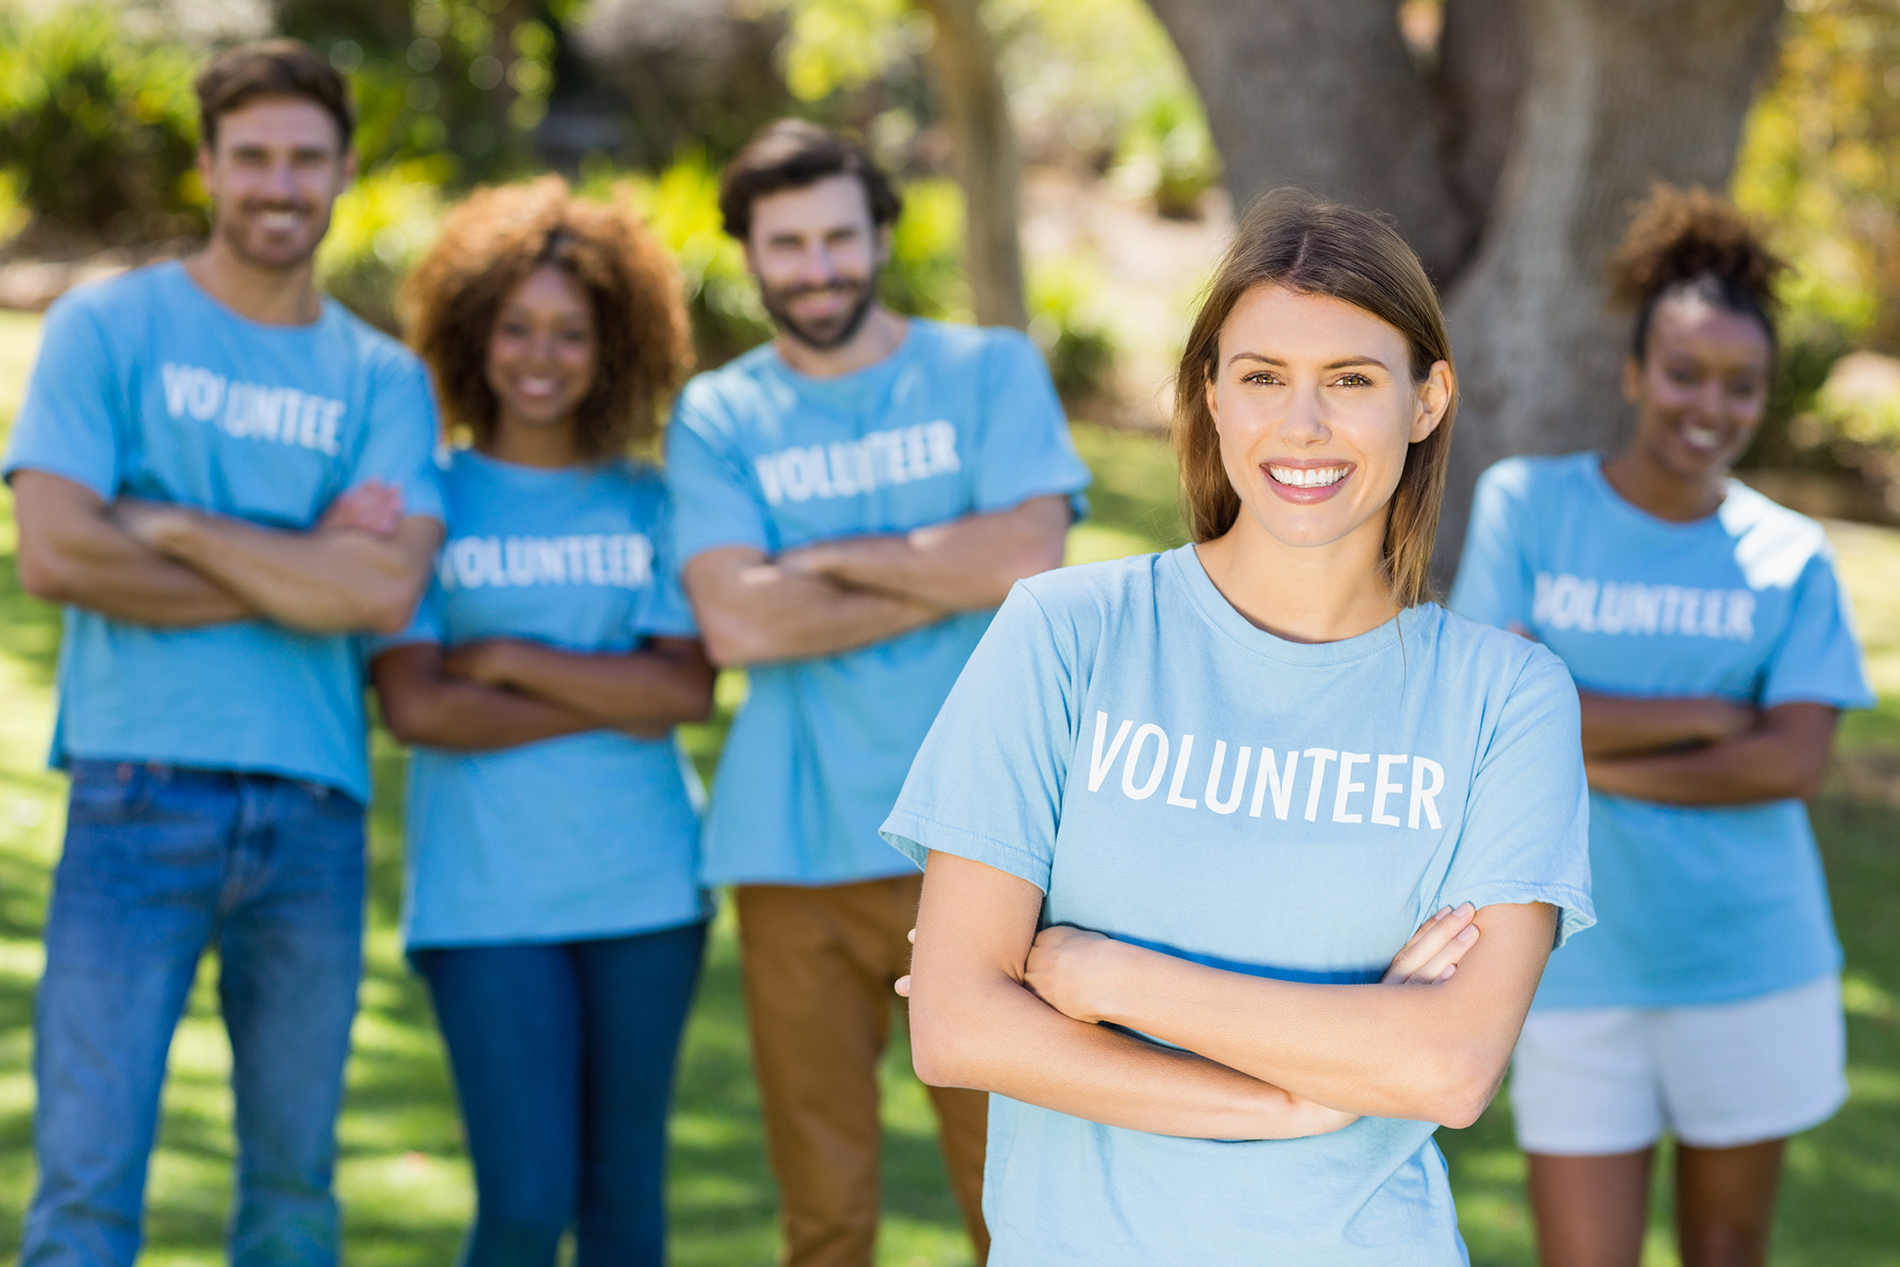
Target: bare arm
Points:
(1434, 1055)
(966, 564)
(1618, 725)
(72, 551)
(423, 704)
(327, 581)
(648, 691)
(1785, 757)
(975, 1024)
(753, 611)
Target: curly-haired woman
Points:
(1711, 643)
(552, 905)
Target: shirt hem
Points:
(450, 941)
(63, 758)
(1732, 992)
(918, 833)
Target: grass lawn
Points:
(404, 1180)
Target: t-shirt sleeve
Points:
(1025, 449)
(987, 783)
(665, 613)
(716, 500)
(400, 444)
(1494, 584)
(67, 423)
(1819, 659)
(1527, 823)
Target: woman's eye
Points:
(1352, 380)
(1262, 378)
(1684, 378)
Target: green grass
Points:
(404, 1180)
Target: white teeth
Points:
(1702, 437)
(536, 386)
(1318, 477)
(280, 219)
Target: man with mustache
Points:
(853, 500)
(224, 477)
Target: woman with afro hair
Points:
(1712, 647)
(551, 901)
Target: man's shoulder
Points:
(119, 301)
(377, 351)
(955, 348)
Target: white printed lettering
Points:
(1282, 783)
(1382, 787)
(1347, 760)
(1423, 794)
(1320, 757)
(1134, 755)
(853, 468)
(1180, 773)
(1232, 802)
(1099, 764)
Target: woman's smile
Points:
(1307, 480)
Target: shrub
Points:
(381, 226)
(1066, 322)
(97, 129)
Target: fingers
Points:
(1423, 958)
(903, 985)
(1439, 967)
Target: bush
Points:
(97, 129)
(379, 229)
(1066, 322)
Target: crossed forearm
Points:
(1621, 726)
(647, 691)
(1786, 758)
(323, 581)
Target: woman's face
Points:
(1700, 390)
(542, 351)
(1315, 406)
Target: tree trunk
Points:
(988, 165)
(1621, 93)
(1511, 168)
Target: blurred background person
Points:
(223, 476)
(1713, 648)
(853, 501)
(551, 901)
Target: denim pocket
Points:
(107, 792)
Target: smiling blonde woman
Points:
(1182, 809)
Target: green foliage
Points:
(925, 277)
(1066, 322)
(1168, 154)
(378, 230)
(97, 128)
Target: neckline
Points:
(1593, 465)
(804, 382)
(520, 470)
(1214, 608)
(224, 310)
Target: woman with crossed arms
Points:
(1181, 810)
(1712, 643)
(551, 903)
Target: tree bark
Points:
(1620, 93)
(988, 165)
(1511, 168)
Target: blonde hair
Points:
(1293, 239)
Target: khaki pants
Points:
(819, 964)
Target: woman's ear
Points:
(1213, 399)
(1434, 400)
(1632, 380)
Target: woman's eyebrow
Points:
(1349, 362)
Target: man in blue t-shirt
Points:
(852, 502)
(224, 478)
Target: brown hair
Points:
(489, 245)
(1690, 241)
(270, 68)
(1293, 239)
(794, 154)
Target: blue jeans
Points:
(563, 1056)
(159, 863)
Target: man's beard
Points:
(237, 233)
(833, 332)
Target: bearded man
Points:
(853, 500)
(225, 479)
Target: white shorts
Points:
(1600, 1080)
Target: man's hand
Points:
(484, 660)
(372, 506)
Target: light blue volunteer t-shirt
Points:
(1698, 904)
(582, 836)
(1170, 775)
(148, 387)
(957, 421)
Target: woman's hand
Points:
(484, 661)
(1070, 969)
(1435, 949)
